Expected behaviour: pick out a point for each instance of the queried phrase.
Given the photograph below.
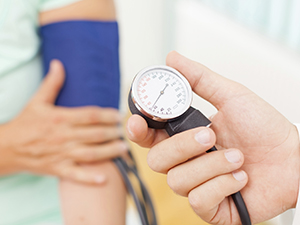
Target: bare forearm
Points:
(95, 204)
(82, 10)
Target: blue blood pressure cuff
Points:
(89, 51)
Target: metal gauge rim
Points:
(144, 110)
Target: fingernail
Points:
(53, 64)
(129, 130)
(239, 175)
(233, 156)
(99, 179)
(203, 137)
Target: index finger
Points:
(89, 115)
(180, 148)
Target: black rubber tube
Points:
(238, 201)
(241, 207)
(130, 189)
(141, 206)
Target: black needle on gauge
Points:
(160, 94)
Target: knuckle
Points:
(83, 154)
(74, 153)
(195, 201)
(174, 181)
(64, 171)
(93, 115)
(179, 146)
(117, 148)
(33, 151)
(58, 118)
(50, 161)
(24, 149)
(58, 171)
(58, 139)
(99, 134)
(152, 162)
(37, 164)
(90, 156)
(215, 185)
(77, 175)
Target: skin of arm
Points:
(84, 203)
(259, 151)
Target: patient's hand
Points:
(46, 139)
(259, 151)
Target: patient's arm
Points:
(89, 205)
(82, 203)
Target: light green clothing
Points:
(24, 199)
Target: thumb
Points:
(204, 82)
(52, 83)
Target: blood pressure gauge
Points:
(160, 93)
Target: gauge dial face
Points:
(162, 92)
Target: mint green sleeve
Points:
(45, 5)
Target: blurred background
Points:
(254, 42)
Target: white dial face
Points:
(162, 92)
